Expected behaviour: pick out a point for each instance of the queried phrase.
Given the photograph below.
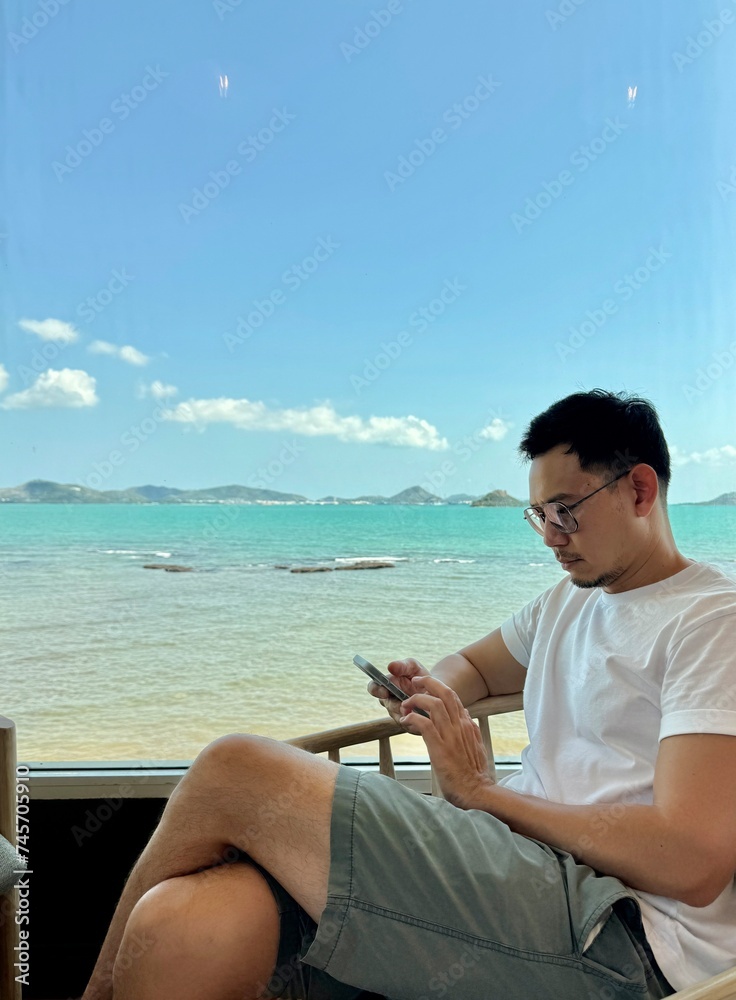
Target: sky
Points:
(346, 248)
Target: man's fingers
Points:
(445, 694)
(408, 667)
(378, 691)
(434, 707)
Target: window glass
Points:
(263, 253)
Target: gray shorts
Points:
(427, 901)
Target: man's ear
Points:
(646, 488)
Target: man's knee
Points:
(243, 758)
(161, 912)
(153, 930)
(236, 750)
(191, 920)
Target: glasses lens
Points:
(560, 517)
(534, 519)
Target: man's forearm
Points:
(635, 843)
(458, 673)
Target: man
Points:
(604, 868)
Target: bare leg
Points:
(263, 797)
(214, 935)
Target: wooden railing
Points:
(332, 741)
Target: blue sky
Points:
(366, 258)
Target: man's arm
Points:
(683, 846)
(482, 668)
(500, 672)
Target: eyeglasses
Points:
(559, 514)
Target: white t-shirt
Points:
(609, 676)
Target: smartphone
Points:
(379, 678)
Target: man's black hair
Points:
(608, 431)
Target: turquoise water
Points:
(105, 660)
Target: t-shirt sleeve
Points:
(519, 630)
(699, 687)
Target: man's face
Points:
(597, 553)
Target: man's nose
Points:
(554, 536)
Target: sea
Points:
(103, 659)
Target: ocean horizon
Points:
(42, 491)
(107, 661)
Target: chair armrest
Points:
(721, 987)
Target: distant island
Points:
(724, 500)
(498, 498)
(43, 491)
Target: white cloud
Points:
(159, 390)
(69, 388)
(713, 456)
(496, 430)
(317, 421)
(133, 356)
(4, 378)
(102, 347)
(50, 329)
(130, 354)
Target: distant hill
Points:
(223, 494)
(724, 500)
(119, 496)
(412, 495)
(155, 493)
(415, 494)
(498, 498)
(45, 491)
(42, 491)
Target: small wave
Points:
(453, 560)
(536, 564)
(354, 559)
(136, 553)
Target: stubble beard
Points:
(604, 580)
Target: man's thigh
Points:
(425, 899)
(292, 979)
(264, 798)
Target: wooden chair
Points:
(9, 989)
(332, 741)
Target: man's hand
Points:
(453, 741)
(402, 672)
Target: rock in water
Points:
(360, 564)
(169, 568)
(367, 564)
